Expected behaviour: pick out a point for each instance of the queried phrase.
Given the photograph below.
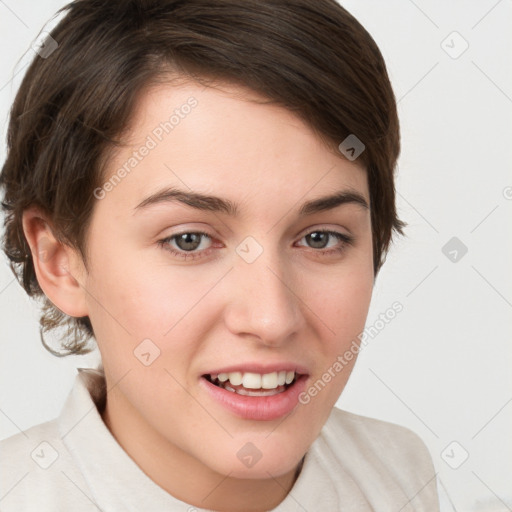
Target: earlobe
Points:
(58, 267)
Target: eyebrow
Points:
(221, 205)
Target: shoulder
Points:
(391, 438)
(37, 471)
(384, 459)
(17, 444)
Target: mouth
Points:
(254, 384)
(255, 396)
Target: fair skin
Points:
(294, 304)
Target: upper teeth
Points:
(256, 380)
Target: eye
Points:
(191, 244)
(188, 245)
(319, 239)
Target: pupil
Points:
(317, 239)
(188, 241)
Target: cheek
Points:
(143, 297)
(342, 306)
(342, 299)
(350, 310)
(166, 301)
(169, 306)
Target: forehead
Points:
(223, 138)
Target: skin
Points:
(291, 304)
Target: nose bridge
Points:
(266, 304)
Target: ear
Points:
(59, 268)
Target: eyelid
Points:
(330, 228)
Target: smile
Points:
(253, 384)
(255, 396)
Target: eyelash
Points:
(346, 240)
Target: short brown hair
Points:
(310, 56)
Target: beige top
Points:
(74, 463)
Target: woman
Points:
(206, 190)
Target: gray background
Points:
(442, 366)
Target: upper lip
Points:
(261, 368)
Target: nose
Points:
(264, 301)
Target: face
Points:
(186, 291)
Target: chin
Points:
(257, 458)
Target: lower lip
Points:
(262, 408)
